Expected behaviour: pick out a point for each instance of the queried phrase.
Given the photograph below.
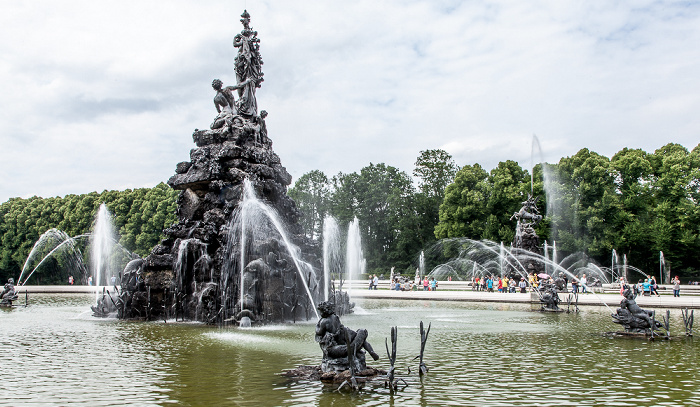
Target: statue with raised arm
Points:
(528, 215)
(331, 336)
(248, 67)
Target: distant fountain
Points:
(354, 259)
(52, 242)
(421, 263)
(331, 255)
(102, 243)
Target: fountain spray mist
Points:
(101, 247)
(331, 252)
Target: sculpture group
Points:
(195, 272)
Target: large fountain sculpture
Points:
(235, 254)
(526, 240)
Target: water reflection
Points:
(478, 354)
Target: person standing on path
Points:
(584, 282)
(676, 287)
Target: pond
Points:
(56, 353)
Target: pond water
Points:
(56, 353)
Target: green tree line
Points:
(638, 203)
(139, 216)
(397, 217)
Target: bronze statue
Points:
(8, 294)
(550, 298)
(248, 67)
(331, 336)
(632, 317)
(528, 212)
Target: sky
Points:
(102, 95)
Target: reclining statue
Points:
(632, 317)
(331, 336)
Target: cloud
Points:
(100, 95)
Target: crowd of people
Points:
(399, 283)
(504, 284)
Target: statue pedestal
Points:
(341, 364)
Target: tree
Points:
(463, 212)
(435, 170)
(311, 194)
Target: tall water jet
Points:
(421, 263)
(354, 259)
(331, 254)
(101, 246)
(662, 269)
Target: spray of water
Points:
(101, 247)
(253, 214)
(331, 253)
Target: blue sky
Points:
(105, 95)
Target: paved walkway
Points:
(612, 300)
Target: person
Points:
(70, 280)
(489, 284)
(114, 281)
(622, 285)
(574, 286)
(433, 284)
(511, 284)
(375, 282)
(425, 283)
(523, 285)
(370, 282)
(654, 287)
(500, 284)
(638, 289)
(90, 280)
(646, 286)
(584, 283)
(676, 287)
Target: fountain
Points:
(237, 253)
(354, 259)
(102, 242)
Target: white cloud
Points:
(101, 95)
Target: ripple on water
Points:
(477, 354)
